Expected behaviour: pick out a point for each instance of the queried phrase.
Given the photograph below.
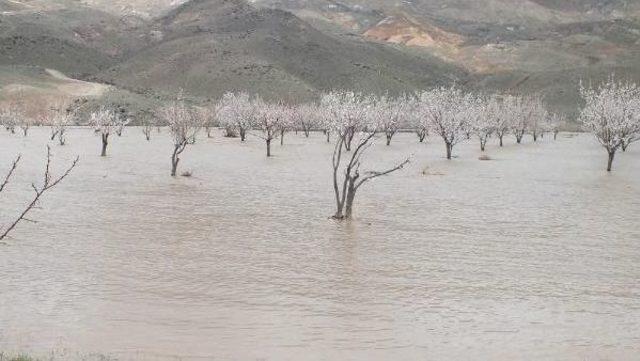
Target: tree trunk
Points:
(555, 135)
(328, 136)
(535, 136)
(243, 134)
(306, 133)
(105, 142)
(421, 136)
(351, 195)
(349, 139)
(449, 149)
(501, 142)
(281, 137)
(610, 163)
(268, 147)
(175, 160)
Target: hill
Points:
(212, 46)
(295, 49)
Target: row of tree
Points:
(611, 112)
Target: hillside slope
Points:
(77, 40)
(212, 46)
(295, 49)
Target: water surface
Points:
(533, 255)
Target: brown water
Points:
(534, 255)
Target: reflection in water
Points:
(533, 255)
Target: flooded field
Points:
(533, 255)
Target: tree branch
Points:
(373, 174)
(8, 177)
(48, 184)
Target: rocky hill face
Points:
(295, 49)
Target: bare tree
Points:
(58, 115)
(345, 186)
(12, 169)
(612, 114)
(235, 113)
(105, 120)
(48, 183)
(184, 125)
(446, 110)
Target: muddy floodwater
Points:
(533, 255)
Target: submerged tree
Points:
(39, 190)
(287, 122)
(307, 117)
(537, 115)
(519, 118)
(447, 112)
(119, 128)
(25, 124)
(482, 119)
(62, 117)
(501, 108)
(392, 113)
(148, 124)
(612, 114)
(235, 113)
(417, 118)
(105, 120)
(270, 119)
(57, 115)
(347, 178)
(184, 125)
(556, 122)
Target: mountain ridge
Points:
(294, 50)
